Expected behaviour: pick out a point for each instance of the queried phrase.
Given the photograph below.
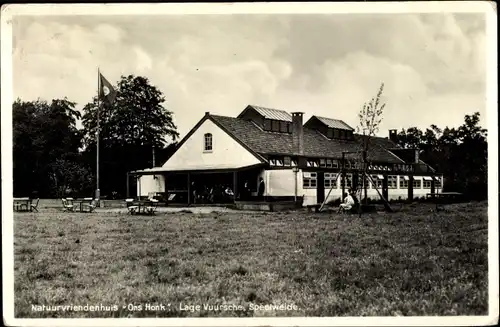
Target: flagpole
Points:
(98, 191)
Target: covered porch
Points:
(197, 185)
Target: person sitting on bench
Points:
(347, 204)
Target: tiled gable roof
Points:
(315, 144)
(334, 123)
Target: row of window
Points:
(323, 163)
(332, 163)
(335, 133)
(332, 180)
(283, 162)
(279, 126)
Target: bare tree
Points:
(370, 118)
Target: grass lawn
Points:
(414, 262)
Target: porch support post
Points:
(433, 184)
(342, 176)
(410, 188)
(189, 188)
(138, 177)
(385, 187)
(235, 185)
(128, 185)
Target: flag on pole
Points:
(107, 91)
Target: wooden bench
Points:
(443, 198)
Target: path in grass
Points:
(414, 262)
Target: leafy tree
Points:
(70, 178)
(459, 153)
(370, 118)
(43, 133)
(135, 123)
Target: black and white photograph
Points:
(275, 164)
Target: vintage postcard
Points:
(250, 164)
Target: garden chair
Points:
(132, 208)
(68, 206)
(34, 205)
(22, 206)
(151, 209)
(91, 206)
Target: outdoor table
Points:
(82, 202)
(142, 206)
(440, 199)
(20, 202)
(444, 195)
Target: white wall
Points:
(281, 183)
(226, 151)
(150, 183)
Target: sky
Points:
(433, 65)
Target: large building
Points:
(294, 159)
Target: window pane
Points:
(208, 142)
(322, 163)
(336, 133)
(275, 126)
(392, 181)
(283, 127)
(287, 161)
(267, 124)
(330, 180)
(329, 134)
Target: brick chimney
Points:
(298, 132)
(393, 135)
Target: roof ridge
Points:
(327, 117)
(269, 108)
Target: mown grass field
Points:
(414, 262)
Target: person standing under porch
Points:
(245, 195)
(262, 188)
(193, 192)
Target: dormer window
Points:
(278, 126)
(208, 142)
